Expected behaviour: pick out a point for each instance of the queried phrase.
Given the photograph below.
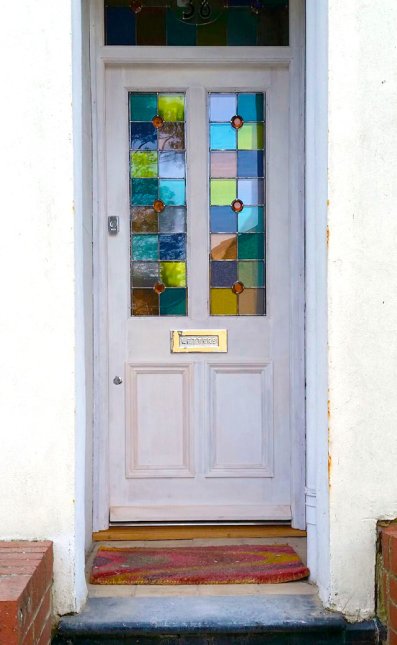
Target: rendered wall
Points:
(42, 382)
(362, 291)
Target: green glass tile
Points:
(251, 274)
(150, 26)
(173, 274)
(144, 274)
(250, 136)
(214, 33)
(173, 302)
(172, 107)
(251, 246)
(143, 220)
(145, 302)
(143, 107)
(250, 106)
(143, 164)
(144, 247)
(251, 220)
(143, 192)
(241, 26)
(223, 191)
(179, 33)
(172, 192)
(223, 302)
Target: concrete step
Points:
(216, 620)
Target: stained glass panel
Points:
(237, 204)
(158, 204)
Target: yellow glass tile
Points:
(250, 137)
(223, 302)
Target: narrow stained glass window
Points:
(196, 23)
(158, 204)
(237, 204)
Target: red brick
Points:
(28, 636)
(385, 549)
(43, 615)
(45, 638)
(392, 613)
(392, 591)
(392, 637)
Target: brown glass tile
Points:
(145, 302)
(251, 302)
(223, 247)
(172, 136)
(143, 220)
(150, 26)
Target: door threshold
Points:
(195, 531)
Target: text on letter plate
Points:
(199, 340)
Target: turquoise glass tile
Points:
(222, 136)
(143, 107)
(145, 247)
(222, 107)
(172, 192)
(251, 246)
(242, 27)
(173, 302)
(251, 220)
(172, 165)
(250, 106)
(143, 192)
(251, 191)
(179, 33)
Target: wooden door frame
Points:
(292, 57)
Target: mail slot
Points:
(198, 340)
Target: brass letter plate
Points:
(198, 340)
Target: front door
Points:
(197, 173)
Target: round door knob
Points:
(117, 380)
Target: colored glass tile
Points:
(223, 164)
(143, 136)
(223, 220)
(250, 137)
(172, 192)
(251, 246)
(145, 247)
(145, 302)
(173, 302)
(252, 274)
(172, 136)
(173, 220)
(172, 247)
(171, 107)
(214, 33)
(223, 274)
(144, 274)
(250, 163)
(143, 107)
(150, 26)
(241, 27)
(273, 26)
(223, 191)
(119, 26)
(222, 107)
(251, 220)
(173, 274)
(172, 165)
(223, 136)
(143, 191)
(250, 106)
(179, 33)
(223, 247)
(251, 191)
(251, 302)
(143, 220)
(223, 302)
(143, 164)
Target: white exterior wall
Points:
(42, 419)
(362, 292)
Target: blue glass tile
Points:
(179, 33)
(242, 27)
(251, 191)
(249, 163)
(222, 136)
(223, 274)
(250, 107)
(172, 247)
(172, 165)
(251, 220)
(173, 220)
(144, 247)
(143, 136)
(222, 107)
(172, 192)
(119, 26)
(223, 219)
(173, 302)
(143, 192)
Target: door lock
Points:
(117, 380)
(113, 225)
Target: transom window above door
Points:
(197, 22)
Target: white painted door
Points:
(200, 436)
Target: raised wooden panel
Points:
(240, 429)
(159, 431)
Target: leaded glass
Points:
(158, 204)
(237, 204)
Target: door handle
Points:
(117, 380)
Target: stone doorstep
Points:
(215, 620)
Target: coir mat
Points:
(201, 565)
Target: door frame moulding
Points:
(292, 56)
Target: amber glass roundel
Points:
(158, 121)
(237, 205)
(159, 287)
(238, 287)
(136, 6)
(158, 205)
(237, 122)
